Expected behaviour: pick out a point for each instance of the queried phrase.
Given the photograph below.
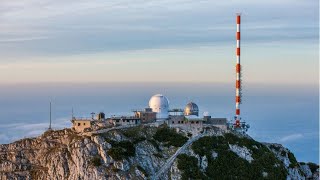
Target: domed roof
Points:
(160, 104)
(191, 109)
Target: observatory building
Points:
(160, 104)
(191, 109)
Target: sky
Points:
(77, 41)
(77, 52)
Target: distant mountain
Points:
(149, 153)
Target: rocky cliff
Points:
(140, 152)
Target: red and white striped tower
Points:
(238, 75)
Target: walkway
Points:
(169, 162)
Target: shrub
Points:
(189, 167)
(313, 167)
(293, 161)
(114, 169)
(142, 170)
(155, 144)
(272, 146)
(170, 137)
(134, 133)
(158, 155)
(228, 165)
(121, 150)
(95, 161)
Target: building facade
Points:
(81, 125)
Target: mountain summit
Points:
(145, 152)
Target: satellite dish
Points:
(206, 113)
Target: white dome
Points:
(160, 104)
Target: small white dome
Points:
(160, 104)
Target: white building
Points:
(160, 104)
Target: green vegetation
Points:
(142, 170)
(95, 161)
(277, 148)
(114, 169)
(169, 137)
(155, 144)
(121, 150)
(189, 167)
(159, 155)
(313, 167)
(135, 133)
(293, 160)
(229, 165)
(189, 135)
(302, 163)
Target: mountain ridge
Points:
(140, 152)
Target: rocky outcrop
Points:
(116, 154)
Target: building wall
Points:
(181, 122)
(146, 117)
(81, 125)
(217, 122)
(125, 122)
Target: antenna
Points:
(50, 118)
(92, 114)
(72, 116)
(239, 124)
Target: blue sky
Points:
(92, 40)
(167, 41)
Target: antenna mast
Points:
(50, 118)
(239, 125)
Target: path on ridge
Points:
(109, 129)
(174, 156)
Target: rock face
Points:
(120, 154)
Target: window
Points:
(84, 124)
(128, 120)
(197, 122)
(172, 122)
(79, 124)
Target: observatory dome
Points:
(191, 109)
(160, 104)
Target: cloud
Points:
(22, 130)
(10, 40)
(291, 137)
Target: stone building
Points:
(217, 122)
(81, 125)
(146, 115)
(124, 121)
